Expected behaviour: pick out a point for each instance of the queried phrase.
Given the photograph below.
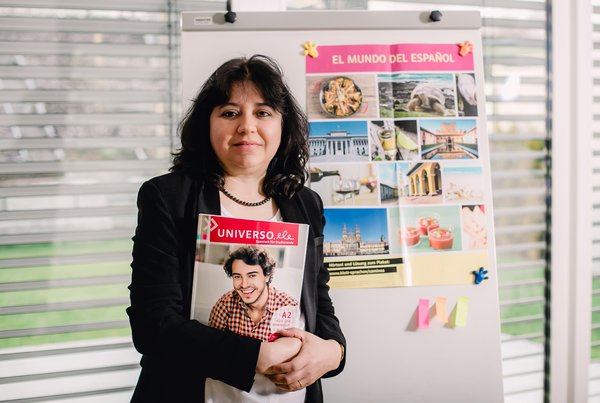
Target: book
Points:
(248, 275)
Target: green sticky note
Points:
(462, 311)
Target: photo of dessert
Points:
(430, 229)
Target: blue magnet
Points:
(480, 275)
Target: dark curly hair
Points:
(286, 173)
(251, 255)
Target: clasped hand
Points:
(297, 359)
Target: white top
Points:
(263, 390)
(276, 217)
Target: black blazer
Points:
(179, 353)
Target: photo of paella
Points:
(341, 97)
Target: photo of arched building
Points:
(424, 184)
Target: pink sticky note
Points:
(423, 314)
(440, 309)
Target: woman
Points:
(243, 154)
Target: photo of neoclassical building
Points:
(338, 141)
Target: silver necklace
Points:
(242, 202)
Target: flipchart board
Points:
(399, 154)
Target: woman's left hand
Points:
(316, 358)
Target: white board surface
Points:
(388, 359)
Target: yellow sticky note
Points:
(462, 310)
(440, 309)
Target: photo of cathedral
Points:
(353, 232)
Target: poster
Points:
(395, 153)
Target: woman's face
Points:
(245, 133)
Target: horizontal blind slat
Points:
(58, 72)
(517, 266)
(526, 246)
(519, 210)
(518, 155)
(84, 119)
(519, 191)
(63, 283)
(129, 5)
(499, 99)
(42, 351)
(83, 49)
(36, 24)
(522, 61)
(82, 212)
(67, 189)
(65, 236)
(518, 229)
(79, 143)
(510, 4)
(82, 166)
(516, 118)
(63, 329)
(525, 80)
(55, 260)
(63, 306)
(82, 96)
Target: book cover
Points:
(248, 275)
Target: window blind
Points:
(85, 116)
(594, 385)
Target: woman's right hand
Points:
(277, 352)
